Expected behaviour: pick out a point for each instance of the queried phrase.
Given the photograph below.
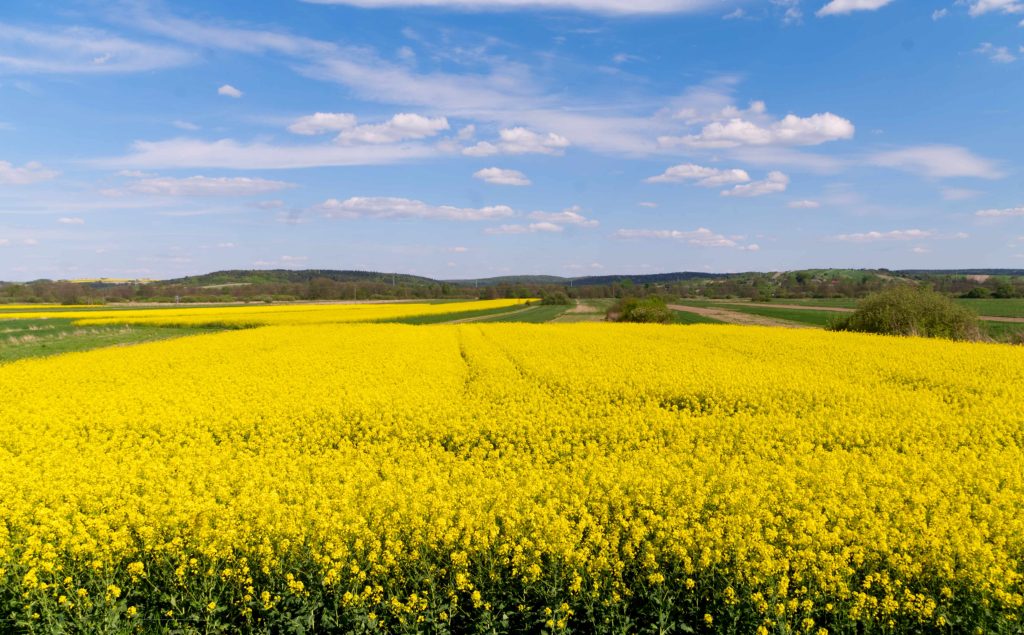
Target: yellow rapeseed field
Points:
(579, 477)
(264, 314)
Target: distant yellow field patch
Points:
(265, 315)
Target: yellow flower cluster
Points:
(592, 477)
(263, 315)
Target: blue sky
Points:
(468, 138)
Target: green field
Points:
(534, 314)
(994, 307)
(20, 339)
(803, 316)
(685, 317)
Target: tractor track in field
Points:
(736, 317)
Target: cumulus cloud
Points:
(227, 90)
(203, 186)
(938, 161)
(399, 128)
(532, 228)
(774, 183)
(981, 7)
(896, 234)
(938, 14)
(1000, 213)
(393, 207)
(999, 54)
(519, 141)
(804, 204)
(31, 172)
(71, 220)
(759, 130)
(700, 175)
(500, 176)
(843, 7)
(700, 237)
(641, 7)
(81, 51)
(321, 122)
(569, 216)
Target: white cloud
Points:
(458, 250)
(204, 186)
(791, 130)
(981, 7)
(71, 220)
(4, 242)
(921, 250)
(648, 204)
(700, 237)
(896, 234)
(230, 154)
(392, 207)
(938, 14)
(226, 245)
(322, 122)
(842, 7)
(591, 6)
(31, 172)
(227, 90)
(185, 125)
(774, 183)
(1000, 213)
(700, 175)
(399, 128)
(81, 50)
(938, 161)
(999, 54)
(519, 141)
(500, 176)
(570, 216)
(804, 204)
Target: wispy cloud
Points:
(619, 7)
(231, 154)
(1000, 213)
(392, 207)
(700, 237)
(202, 186)
(31, 172)
(532, 228)
(999, 54)
(938, 161)
(81, 50)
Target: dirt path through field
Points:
(735, 317)
(582, 312)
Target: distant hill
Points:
(512, 280)
(653, 278)
(264, 276)
(960, 272)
